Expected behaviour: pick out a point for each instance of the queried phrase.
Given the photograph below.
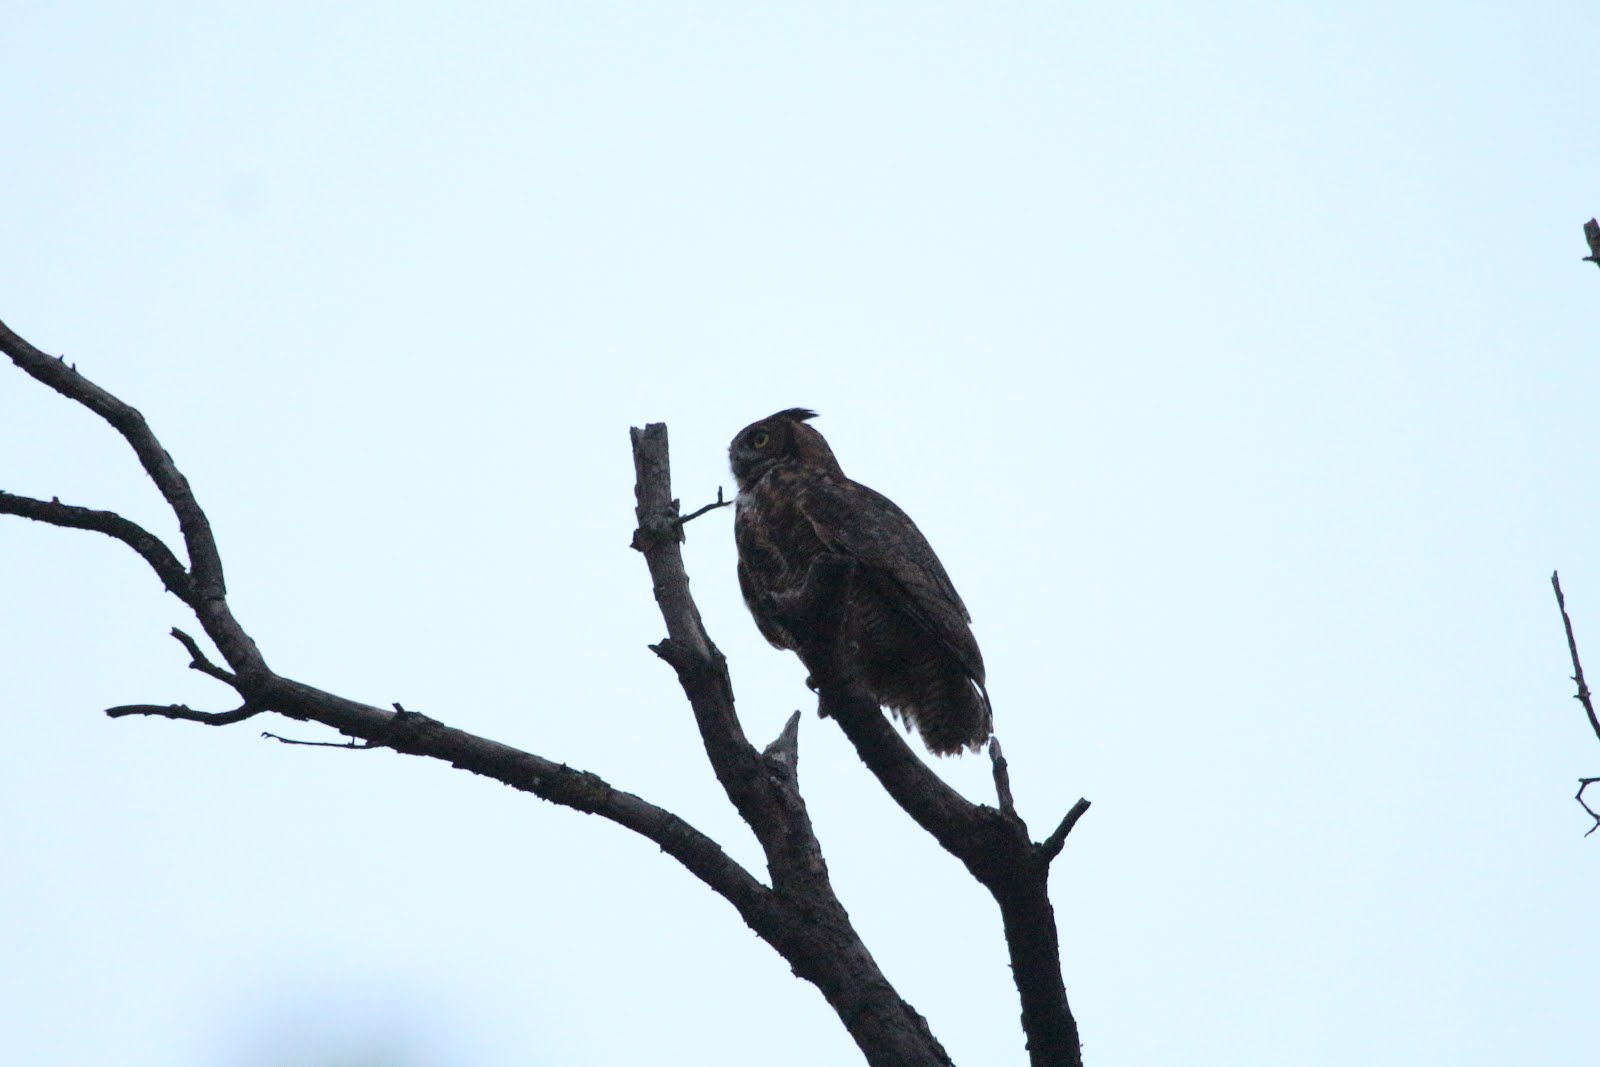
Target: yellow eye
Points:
(760, 438)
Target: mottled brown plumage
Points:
(904, 626)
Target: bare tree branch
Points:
(151, 548)
(204, 592)
(208, 593)
(1583, 784)
(713, 506)
(1583, 695)
(816, 936)
(992, 843)
(199, 662)
(799, 915)
(1002, 777)
(349, 745)
(187, 714)
(1051, 846)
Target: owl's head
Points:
(781, 439)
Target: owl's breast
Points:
(776, 540)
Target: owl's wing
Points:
(754, 599)
(864, 525)
(759, 568)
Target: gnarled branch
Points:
(819, 940)
(992, 843)
(798, 915)
(201, 587)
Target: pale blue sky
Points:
(1239, 364)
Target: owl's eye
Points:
(760, 439)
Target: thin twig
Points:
(151, 548)
(1051, 846)
(718, 503)
(1583, 695)
(199, 662)
(187, 714)
(1002, 777)
(350, 744)
(1585, 783)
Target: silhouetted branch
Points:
(206, 592)
(713, 506)
(187, 714)
(150, 547)
(1585, 783)
(199, 662)
(1002, 777)
(800, 916)
(1583, 695)
(1051, 846)
(348, 746)
(202, 589)
(992, 843)
(811, 929)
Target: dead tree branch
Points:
(151, 548)
(200, 586)
(992, 843)
(1583, 695)
(762, 786)
(798, 914)
(1584, 784)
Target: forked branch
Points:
(798, 915)
(992, 843)
(199, 584)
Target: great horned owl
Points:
(904, 626)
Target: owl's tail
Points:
(953, 715)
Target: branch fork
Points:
(796, 911)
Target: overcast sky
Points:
(1239, 364)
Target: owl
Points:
(905, 628)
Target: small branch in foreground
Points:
(1583, 695)
(713, 506)
(187, 714)
(1002, 777)
(199, 662)
(151, 548)
(350, 744)
(992, 843)
(803, 919)
(200, 585)
(1585, 783)
(1051, 846)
